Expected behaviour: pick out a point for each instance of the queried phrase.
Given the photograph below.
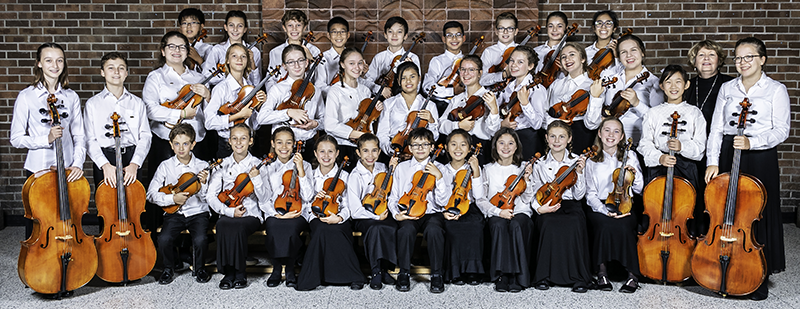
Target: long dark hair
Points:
(163, 60)
(517, 158)
(408, 65)
(38, 74)
(600, 155)
(232, 14)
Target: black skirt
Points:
(232, 236)
(463, 252)
(762, 164)
(283, 237)
(511, 247)
(582, 137)
(613, 240)
(329, 257)
(563, 256)
(380, 241)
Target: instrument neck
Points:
(121, 200)
(336, 178)
(518, 178)
(621, 177)
(467, 177)
(579, 99)
(668, 188)
(733, 185)
(255, 90)
(569, 170)
(386, 178)
(63, 194)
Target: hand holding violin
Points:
(630, 95)
(547, 208)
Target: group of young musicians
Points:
(399, 186)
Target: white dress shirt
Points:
(319, 182)
(279, 118)
(224, 179)
(542, 51)
(659, 118)
(225, 92)
(449, 175)
(217, 55)
(592, 50)
(162, 85)
(485, 126)
(361, 182)
(440, 67)
(28, 130)
(394, 116)
(599, 181)
(168, 173)
(532, 114)
(273, 179)
(202, 48)
(771, 127)
(648, 92)
(490, 57)
(380, 64)
(545, 170)
(330, 68)
(133, 120)
(403, 183)
(342, 106)
(495, 182)
(562, 90)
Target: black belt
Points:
(123, 150)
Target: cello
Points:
(334, 187)
(375, 201)
(413, 121)
(665, 248)
(507, 53)
(567, 176)
(514, 187)
(576, 106)
(604, 59)
(387, 79)
(302, 89)
(189, 183)
(550, 70)
(338, 76)
(242, 186)
(58, 257)
(414, 203)
(462, 185)
(125, 251)
(619, 106)
(246, 94)
(619, 199)
(729, 260)
(187, 97)
(454, 78)
(290, 200)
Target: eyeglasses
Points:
(338, 32)
(172, 47)
(468, 70)
(606, 23)
(506, 29)
(419, 146)
(748, 58)
(454, 35)
(296, 62)
(193, 23)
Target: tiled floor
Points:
(185, 293)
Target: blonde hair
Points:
(707, 44)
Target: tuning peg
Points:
(64, 115)
(664, 133)
(751, 120)
(108, 127)
(681, 130)
(43, 111)
(735, 114)
(109, 134)
(667, 124)
(733, 123)
(753, 112)
(45, 120)
(682, 122)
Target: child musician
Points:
(441, 66)
(235, 224)
(338, 34)
(235, 32)
(532, 100)
(556, 29)
(396, 32)
(604, 25)
(295, 25)
(193, 211)
(191, 23)
(505, 26)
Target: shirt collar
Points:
(192, 160)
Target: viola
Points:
(189, 61)
(189, 183)
(514, 187)
(413, 121)
(242, 186)
(513, 108)
(462, 185)
(375, 202)
(302, 89)
(58, 257)
(475, 108)
(454, 78)
(576, 106)
(414, 202)
(567, 176)
(387, 79)
(619, 199)
(367, 114)
(334, 187)
(507, 53)
(290, 200)
(550, 70)
(125, 251)
(187, 97)
(603, 59)
(729, 260)
(666, 247)
(246, 94)
(619, 105)
(338, 76)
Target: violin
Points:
(290, 200)
(334, 187)
(58, 257)
(475, 108)
(302, 89)
(576, 106)
(125, 251)
(189, 61)
(507, 53)
(454, 78)
(500, 86)
(603, 59)
(462, 185)
(567, 176)
(259, 39)
(387, 79)
(242, 186)
(513, 108)
(338, 76)
(367, 114)
(514, 187)
(246, 94)
(187, 97)
(375, 202)
(619, 106)
(729, 260)
(550, 70)
(619, 199)
(414, 202)
(189, 183)
(666, 247)
(413, 121)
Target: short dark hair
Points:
(452, 24)
(533, 57)
(191, 12)
(610, 14)
(340, 21)
(517, 158)
(761, 48)
(672, 69)
(232, 14)
(367, 137)
(395, 20)
(182, 129)
(163, 60)
(460, 132)
(113, 55)
(421, 133)
(297, 15)
(506, 15)
(281, 130)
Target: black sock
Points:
(277, 268)
(603, 272)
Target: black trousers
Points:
(173, 225)
(432, 226)
(110, 154)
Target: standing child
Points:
(235, 32)
(506, 30)
(295, 25)
(338, 34)
(192, 23)
(604, 25)
(441, 66)
(556, 28)
(396, 32)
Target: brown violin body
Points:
(299, 96)
(550, 70)
(475, 108)
(507, 53)
(401, 138)
(505, 199)
(554, 191)
(619, 105)
(237, 105)
(329, 205)
(289, 200)
(189, 180)
(387, 79)
(242, 188)
(576, 106)
(619, 195)
(414, 203)
(179, 102)
(459, 200)
(367, 114)
(375, 201)
(603, 59)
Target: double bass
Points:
(290, 200)
(338, 77)
(619, 199)
(576, 106)
(334, 187)
(603, 59)
(242, 186)
(375, 201)
(462, 185)
(245, 96)
(567, 176)
(187, 97)
(58, 257)
(413, 121)
(729, 260)
(665, 248)
(619, 105)
(414, 203)
(387, 79)
(550, 70)
(514, 187)
(188, 182)
(125, 251)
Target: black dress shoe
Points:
(251, 261)
(437, 284)
(501, 285)
(630, 286)
(291, 282)
(513, 286)
(375, 282)
(386, 278)
(403, 283)
(226, 284)
(202, 276)
(240, 284)
(166, 276)
(542, 285)
(355, 286)
(757, 296)
(274, 279)
(603, 284)
(580, 287)
(458, 281)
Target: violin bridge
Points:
(64, 238)
(663, 234)
(728, 239)
(123, 234)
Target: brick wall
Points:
(88, 29)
